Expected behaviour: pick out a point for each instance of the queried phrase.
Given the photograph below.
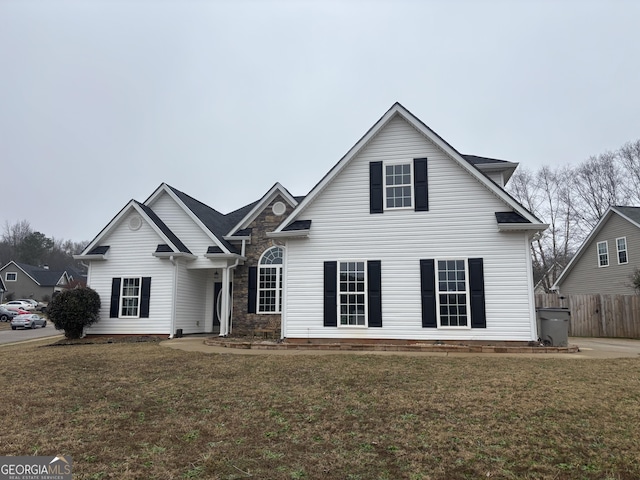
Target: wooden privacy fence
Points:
(598, 315)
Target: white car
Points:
(15, 304)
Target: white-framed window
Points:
(452, 288)
(352, 293)
(11, 277)
(621, 244)
(130, 293)
(270, 281)
(603, 254)
(398, 185)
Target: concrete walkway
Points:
(588, 348)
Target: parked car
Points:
(15, 304)
(30, 320)
(33, 302)
(6, 314)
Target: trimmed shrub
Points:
(73, 310)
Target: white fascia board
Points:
(90, 257)
(398, 109)
(231, 238)
(583, 247)
(288, 234)
(165, 188)
(188, 256)
(262, 203)
(519, 227)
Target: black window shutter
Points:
(115, 298)
(420, 185)
(476, 286)
(330, 294)
(428, 293)
(374, 293)
(375, 187)
(146, 295)
(253, 289)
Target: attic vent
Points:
(135, 223)
(279, 208)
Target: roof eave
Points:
(225, 255)
(90, 257)
(289, 234)
(518, 227)
(188, 256)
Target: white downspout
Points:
(174, 295)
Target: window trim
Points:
(122, 297)
(411, 184)
(7, 279)
(280, 282)
(626, 250)
(467, 292)
(365, 293)
(605, 253)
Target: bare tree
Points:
(598, 184)
(629, 157)
(547, 195)
(14, 234)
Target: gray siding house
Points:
(608, 257)
(27, 281)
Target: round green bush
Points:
(73, 310)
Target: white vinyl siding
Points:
(130, 255)
(460, 223)
(185, 228)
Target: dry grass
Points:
(143, 411)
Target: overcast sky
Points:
(102, 101)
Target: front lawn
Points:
(142, 411)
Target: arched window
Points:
(270, 281)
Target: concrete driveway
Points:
(594, 348)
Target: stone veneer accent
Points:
(244, 322)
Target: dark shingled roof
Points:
(44, 276)
(214, 249)
(510, 217)
(216, 222)
(632, 212)
(164, 248)
(164, 229)
(99, 250)
(297, 225)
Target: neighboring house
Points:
(607, 259)
(404, 238)
(3, 289)
(28, 281)
(548, 279)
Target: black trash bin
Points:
(553, 326)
